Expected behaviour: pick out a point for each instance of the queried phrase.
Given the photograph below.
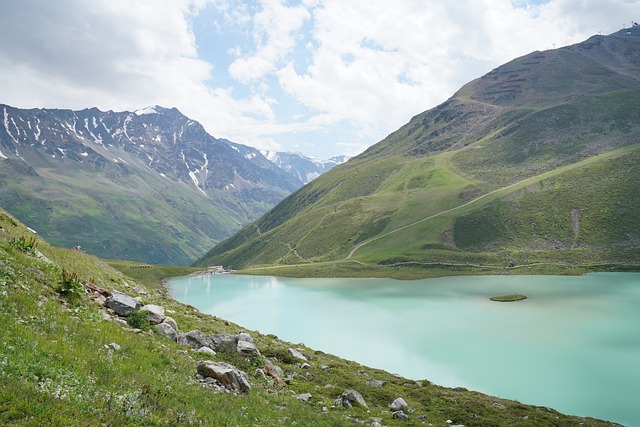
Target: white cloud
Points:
(274, 27)
(325, 75)
(376, 64)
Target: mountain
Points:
(304, 168)
(534, 163)
(150, 185)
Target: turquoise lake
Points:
(573, 345)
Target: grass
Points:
(58, 367)
(451, 155)
(570, 219)
(118, 220)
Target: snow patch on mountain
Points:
(305, 168)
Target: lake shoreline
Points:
(284, 300)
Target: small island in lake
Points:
(508, 298)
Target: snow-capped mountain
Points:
(178, 175)
(302, 167)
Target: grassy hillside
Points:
(59, 364)
(544, 128)
(152, 220)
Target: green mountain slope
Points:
(138, 216)
(555, 118)
(64, 361)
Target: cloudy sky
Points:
(323, 77)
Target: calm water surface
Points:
(573, 345)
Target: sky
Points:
(321, 77)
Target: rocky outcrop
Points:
(226, 374)
(349, 398)
(194, 339)
(226, 343)
(246, 348)
(122, 304)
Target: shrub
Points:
(25, 245)
(139, 319)
(70, 285)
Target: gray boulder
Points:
(155, 313)
(243, 336)
(206, 350)
(400, 415)
(166, 330)
(246, 348)
(295, 353)
(224, 342)
(121, 303)
(375, 383)
(230, 377)
(348, 398)
(399, 405)
(303, 397)
(169, 321)
(195, 339)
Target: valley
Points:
(530, 169)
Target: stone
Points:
(399, 405)
(259, 373)
(303, 397)
(348, 398)
(195, 339)
(98, 299)
(243, 336)
(231, 378)
(227, 343)
(166, 330)
(305, 366)
(499, 406)
(376, 424)
(169, 321)
(246, 348)
(375, 383)
(121, 304)
(400, 415)
(295, 353)
(271, 369)
(206, 350)
(156, 313)
(114, 346)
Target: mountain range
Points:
(150, 185)
(305, 168)
(534, 164)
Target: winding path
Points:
(532, 179)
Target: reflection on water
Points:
(574, 344)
